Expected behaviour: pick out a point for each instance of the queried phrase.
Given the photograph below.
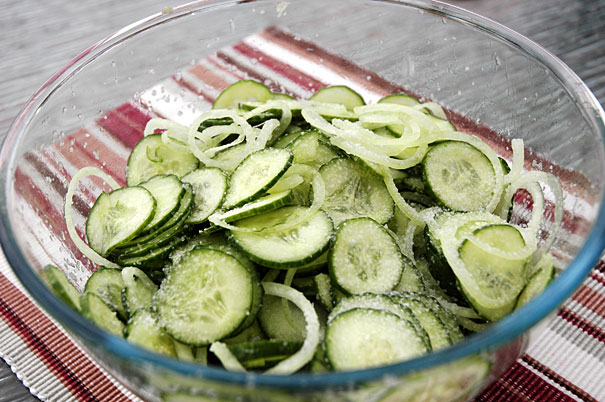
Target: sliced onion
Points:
(433, 108)
(305, 353)
(403, 206)
(518, 160)
(71, 227)
(313, 117)
(319, 195)
(227, 358)
(381, 159)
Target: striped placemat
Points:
(565, 362)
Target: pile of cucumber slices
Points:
(321, 234)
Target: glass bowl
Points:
(493, 82)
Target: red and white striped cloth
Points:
(565, 363)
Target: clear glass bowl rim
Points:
(498, 333)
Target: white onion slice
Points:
(305, 353)
(71, 227)
(400, 202)
(227, 358)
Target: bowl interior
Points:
(493, 83)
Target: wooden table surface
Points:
(37, 38)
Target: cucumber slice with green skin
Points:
(209, 188)
(438, 265)
(459, 176)
(290, 248)
(263, 354)
(253, 333)
(117, 217)
(435, 328)
(324, 290)
(305, 285)
(538, 281)
(230, 152)
(167, 191)
(314, 267)
(340, 94)
(159, 238)
(143, 330)
(287, 138)
(276, 324)
(363, 338)
(411, 279)
(107, 283)
(400, 99)
(280, 96)
(360, 266)
(255, 175)
(261, 205)
(353, 190)
(62, 287)
(205, 297)
(257, 289)
(95, 309)
(310, 149)
(381, 303)
(242, 91)
(154, 259)
(138, 290)
(491, 283)
(151, 157)
(448, 320)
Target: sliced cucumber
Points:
(324, 290)
(491, 283)
(400, 99)
(448, 319)
(167, 191)
(107, 283)
(263, 354)
(363, 338)
(143, 330)
(205, 297)
(358, 265)
(381, 303)
(339, 94)
(62, 287)
(310, 148)
(411, 279)
(138, 290)
(209, 189)
(292, 247)
(253, 333)
(255, 175)
(544, 274)
(459, 176)
(431, 322)
(242, 91)
(353, 190)
(98, 312)
(167, 235)
(261, 205)
(117, 217)
(277, 324)
(151, 156)
(287, 139)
